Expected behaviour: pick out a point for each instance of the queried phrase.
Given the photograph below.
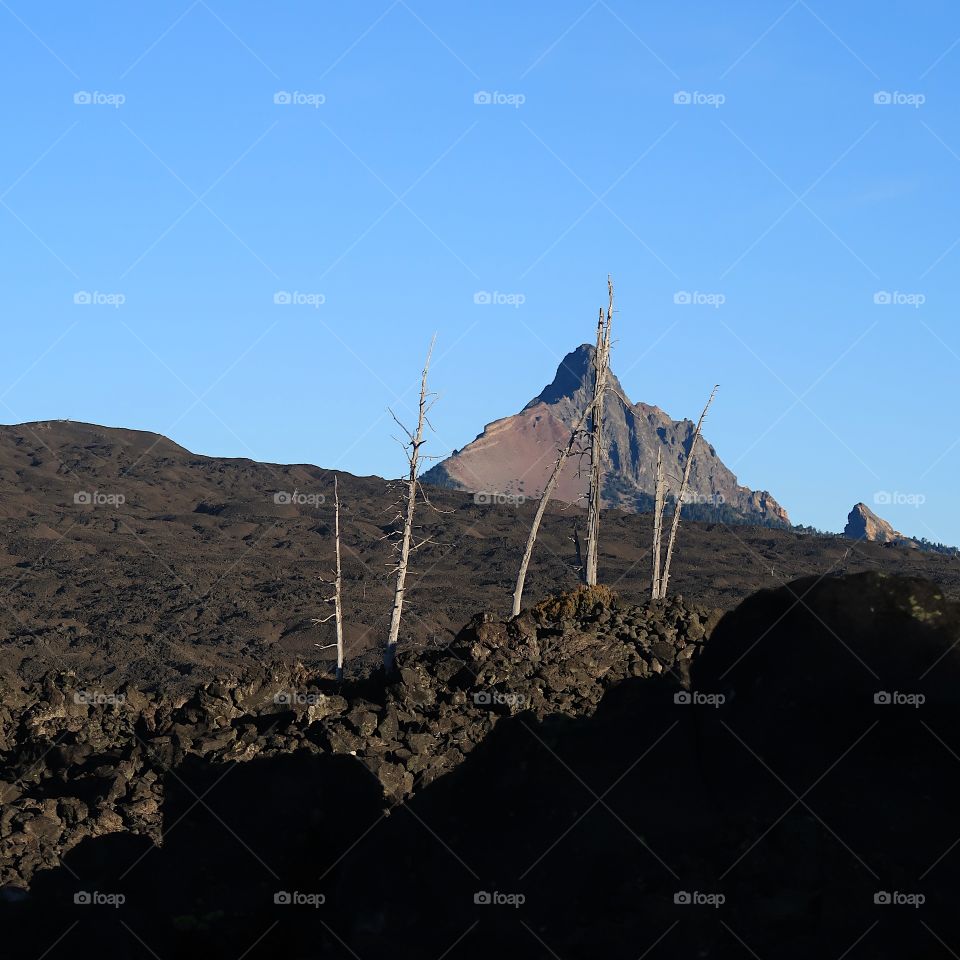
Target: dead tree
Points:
(575, 434)
(659, 503)
(577, 547)
(406, 545)
(336, 598)
(678, 503)
(601, 364)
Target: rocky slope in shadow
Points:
(79, 762)
(770, 801)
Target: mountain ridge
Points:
(514, 455)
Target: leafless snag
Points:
(406, 543)
(678, 503)
(659, 503)
(336, 598)
(577, 548)
(601, 363)
(575, 434)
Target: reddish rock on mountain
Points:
(864, 524)
(515, 456)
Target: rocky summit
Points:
(864, 524)
(514, 457)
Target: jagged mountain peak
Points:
(864, 524)
(574, 379)
(515, 455)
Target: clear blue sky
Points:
(398, 199)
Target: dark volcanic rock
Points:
(797, 799)
(138, 593)
(558, 658)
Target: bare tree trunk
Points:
(337, 582)
(596, 426)
(542, 506)
(659, 503)
(601, 362)
(578, 549)
(413, 458)
(338, 607)
(680, 496)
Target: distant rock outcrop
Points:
(515, 456)
(864, 524)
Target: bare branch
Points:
(421, 543)
(427, 501)
(412, 484)
(400, 425)
(542, 506)
(601, 364)
(337, 583)
(683, 489)
(659, 504)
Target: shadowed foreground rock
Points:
(807, 770)
(82, 763)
